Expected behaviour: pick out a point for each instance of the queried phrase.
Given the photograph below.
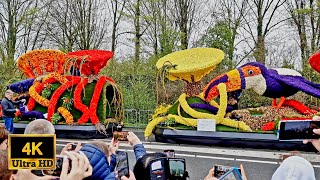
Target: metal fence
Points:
(136, 117)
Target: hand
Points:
(68, 148)
(210, 175)
(17, 110)
(133, 139)
(243, 173)
(23, 100)
(131, 176)
(114, 146)
(80, 167)
(315, 142)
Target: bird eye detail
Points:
(250, 72)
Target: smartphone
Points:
(220, 170)
(170, 153)
(233, 174)
(296, 130)
(120, 136)
(122, 164)
(57, 171)
(177, 168)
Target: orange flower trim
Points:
(36, 96)
(56, 95)
(66, 115)
(95, 100)
(78, 104)
(37, 87)
(38, 62)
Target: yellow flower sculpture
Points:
(190, 64)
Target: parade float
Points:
(67, 90)
(250, 127)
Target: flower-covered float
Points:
(178, 121)
(67, 89)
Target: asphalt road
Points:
(259, 164)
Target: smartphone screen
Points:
(122, 164)
(120, 136)
(57, 171)
(177, 168)
(298, 130)
(170, 153)
(233, 174)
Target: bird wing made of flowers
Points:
(190, 64)
(39, 62)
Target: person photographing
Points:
(9, 110)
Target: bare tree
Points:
(13, 15)
(306, 21)
(117, 8)
(263, 17)
(78, 24)
(185, 11)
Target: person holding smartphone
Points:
(212, 176)
(315, 142)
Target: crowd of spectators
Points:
(97, 160)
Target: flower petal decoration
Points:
(190, 64)
(39, 62)
(314, 61)
(90, 61)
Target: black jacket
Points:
(8, 108)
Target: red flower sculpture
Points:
(315, 61)
(94, 60)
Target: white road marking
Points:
(212, 157)
(185, 155)
(256, 161)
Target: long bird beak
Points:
(232, 79)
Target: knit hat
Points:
(294, 168)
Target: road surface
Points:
(259, 164)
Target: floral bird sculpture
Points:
(273, 83)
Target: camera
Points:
(168, 169)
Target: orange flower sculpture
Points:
(39, 62)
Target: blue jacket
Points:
(139, 151)
(99, 162)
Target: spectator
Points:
(8, 109)
(21, 174)
(211, 174)
(294, 168)
(102, 159)
(39, 126)
(80, 169)
(3, 137)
